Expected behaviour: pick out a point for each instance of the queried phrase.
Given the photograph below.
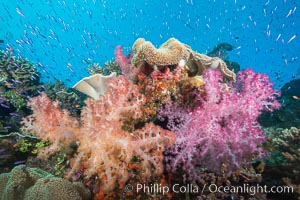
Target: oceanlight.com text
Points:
(251, 189)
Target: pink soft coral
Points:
(223, 128)
(104, 148)
(128, 70)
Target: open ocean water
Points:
(264, 34)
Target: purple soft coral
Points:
(223, 128)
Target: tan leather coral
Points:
(172, 52)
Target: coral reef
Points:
(34, 184)
(19, 80)
(69, 98)
(109, 67)
(59, 126)
(16, 148)
(222, 129)
(290, 99)
(104, 147)
(168, 111)
(220, 51)
(285, 165)
(291, 88)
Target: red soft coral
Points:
(105, 148)
(48, 122)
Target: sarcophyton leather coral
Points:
(172, 52)
(104, 148)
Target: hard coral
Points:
(105, 148)
(57, 188)
(19, 79)
(108, 68)
(32, 183)
(287, 142)
(222, 128)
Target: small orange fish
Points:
(295, 97)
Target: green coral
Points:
(35, 184)
(30, 145)
(18, 69)
(109, 67)
(61, 163)
(14, 99)
(284, 163)
(24, 145)
(19, 80)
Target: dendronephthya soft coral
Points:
(104, 148)
(222, 129)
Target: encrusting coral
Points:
(24, 183)
(105, 148)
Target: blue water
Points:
(63, 37)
